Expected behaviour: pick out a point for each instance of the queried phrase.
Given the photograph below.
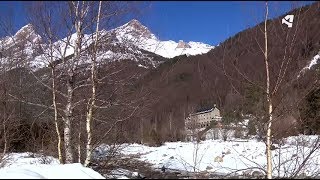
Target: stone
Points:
(247, 172)
(273, 147)
(257, 174)
(294, 155)
(228, 151)
(302, 175)
(218, 159)
(182, 44)
(209, 168)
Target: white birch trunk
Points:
(56, 116)
(79, 145)
(93, 95)
(67, 125)
(269, 155)
(54, 100)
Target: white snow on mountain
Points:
(134, 32)
(313, 62)
(124, 42)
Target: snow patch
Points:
(36, 166)
(140, 65)
(313, 62)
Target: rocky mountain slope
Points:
(131, 41)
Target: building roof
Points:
(202, 112)
(204, 109)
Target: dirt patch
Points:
(143, 170)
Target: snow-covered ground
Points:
(33, 166)
(237, 155)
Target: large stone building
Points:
(203, 118)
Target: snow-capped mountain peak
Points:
(134, 26)
(28, 32)
(129, 41)
(25, 29)
(139, 35)
(133, 32)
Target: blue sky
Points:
(208, 21)
(204, 21)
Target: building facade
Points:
(202, 119)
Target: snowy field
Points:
(31, 166)
(235, 157)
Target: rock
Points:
(182, 44)
(273, 147)
(140, 176)
(164, 155)
(171, 157)
(257, 174)
(163, 169)
(294, 155)
(135, 174)
(218, 159)
(228, 151)
(247, 172)
(209, 168)
(302, 175)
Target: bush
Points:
(155, 138)
(238, 133)
(252, 130)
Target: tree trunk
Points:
(79, 145)
(269, 158)
(93, 95)
(4, 121)
(56, 115)
(67, 124)
(170, 123)
(141, 130)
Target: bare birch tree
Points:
(41, 15)
(93, 95)
(266, 60)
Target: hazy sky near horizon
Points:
(210, 22)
